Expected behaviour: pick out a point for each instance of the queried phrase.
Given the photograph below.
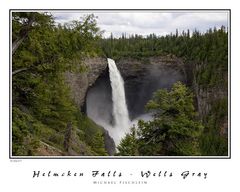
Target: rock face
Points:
(109, 143)
(208, 98)
(149, 66)
(80, 82)
(205, 98)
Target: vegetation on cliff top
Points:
(209, 50)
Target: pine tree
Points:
(128, 146)
(98, 145)
(174, 129)
(175, 125)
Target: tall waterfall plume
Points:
(120, 110)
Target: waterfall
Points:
(113, 117)
(120, 111)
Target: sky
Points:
(147, 22)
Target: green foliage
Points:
(22, 141)
(49, 47)
(92, 134)
(212, 143)
(178, 101)
(45, 54)
(23, 22)
(174, 129)
(98, 144)
(129, 145)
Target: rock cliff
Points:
(80, 82)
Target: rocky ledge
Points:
(80, 82)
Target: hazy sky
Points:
(146, 22)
